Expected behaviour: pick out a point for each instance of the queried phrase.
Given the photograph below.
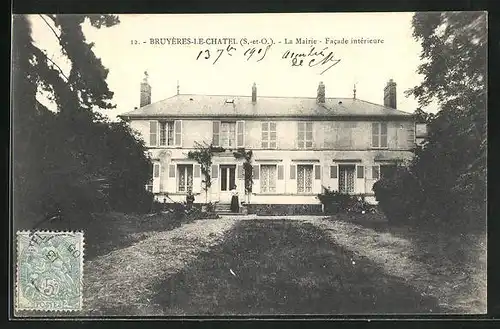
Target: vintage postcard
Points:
(247, 165)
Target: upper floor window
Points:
(268, 135)
(166, 133)
(228, 134)
(305, 135)
(379, 134)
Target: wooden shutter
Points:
(292, 171)
(317, 172)
(240, 133)
(281, 172)
(215, 171)
(216, 133)
(360, 171)
(153, 133)
(255, 171)
(333, 171)
(156, 170)
(178, 132)
(171, 171)
(197, 170)
(375, 172)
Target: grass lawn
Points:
(449, 266)
(271, 266)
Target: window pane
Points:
(272, 178)
(308, 179)
(309, 144)
(383, 128)
(375, 141)
(301, 135)
(309, 135)
(232, 176)
(265, 126)
(302, 126)
(264, 145)
(383, 141)
(375, 128)
(181, 178)
(265, 135)
(300, 144)
(309, 126)
(272, 145)
(300, 179)
(272, 126)
(273, 135)
(163, 133)
(170, 138)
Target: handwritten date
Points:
(250, 53)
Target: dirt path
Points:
(121, 282)
(459, 288)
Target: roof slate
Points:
(190, 105)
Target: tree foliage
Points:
(74, 158)
(450, 171)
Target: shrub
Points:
(334, 201)
(398, 195)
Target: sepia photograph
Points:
(201, 165)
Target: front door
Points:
(227, 182)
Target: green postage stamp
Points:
(49, 271)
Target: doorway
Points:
(227, 182)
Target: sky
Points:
(368, 66)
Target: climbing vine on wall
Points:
(241, 153)
(203, 155)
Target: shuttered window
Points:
(268, 135)
(375, 172)
(360, 171)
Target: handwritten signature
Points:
(314, 57)
(322, 58)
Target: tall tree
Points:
(452, 167)
(59, 156)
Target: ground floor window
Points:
(304, 178)
(346, 178)
(185, 178)
(268, 178)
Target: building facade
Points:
(299, 145)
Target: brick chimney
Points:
(390, 94)
(321, 93)
(145, 91)
(254, 93)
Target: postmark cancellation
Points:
(49, 271)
